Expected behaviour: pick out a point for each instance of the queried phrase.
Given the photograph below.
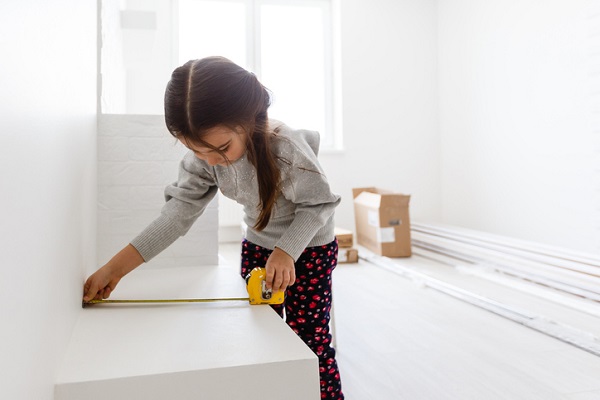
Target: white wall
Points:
(482, 111)
(47, 173)
(389, 104)
(519, 155)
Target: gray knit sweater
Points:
(302, 216)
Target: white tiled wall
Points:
(137, 158)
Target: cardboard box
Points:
(382, 221)
(347, 255)
(345, 237)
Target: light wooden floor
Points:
(399, 340)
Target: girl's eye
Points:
(224, 150)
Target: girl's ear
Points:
(245, 129)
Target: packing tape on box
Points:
(386, 235)
(373, 218)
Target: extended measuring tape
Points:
(255, 285)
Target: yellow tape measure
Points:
(159, 301)
(255, 285)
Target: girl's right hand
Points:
(100, 284)
(103, 282)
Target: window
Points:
(286, 43)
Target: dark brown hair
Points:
(214, 91)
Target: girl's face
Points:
(231, 142)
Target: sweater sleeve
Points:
(305, 185)
(186, 200)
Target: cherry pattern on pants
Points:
(307, 305)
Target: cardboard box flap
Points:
(368, 199)
(371, 189)
(357, 191)
(395, 200)
(341, 231)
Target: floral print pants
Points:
(307, 305)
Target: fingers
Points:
(282, 280)
(98, 287)
(106, 292)
(97, 294)
(110, 288)
(281, 271)
(90, 290)
(279, 280)
(292, 277)
(270, 276)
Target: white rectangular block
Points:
(165, 148)
(112, 148)
(132, 173)
(200, 245)
(227, 350)
(147, 197)
(113, 197)
(174, 150)
(229, 383)
(143, 149)
(172, 261)
(132, 125)
(138, 158)
(134, 221)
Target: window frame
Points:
(330, 139)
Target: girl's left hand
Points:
(281, 271)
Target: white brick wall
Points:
(137, 158)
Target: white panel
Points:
(47, 172)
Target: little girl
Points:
(218, 110)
